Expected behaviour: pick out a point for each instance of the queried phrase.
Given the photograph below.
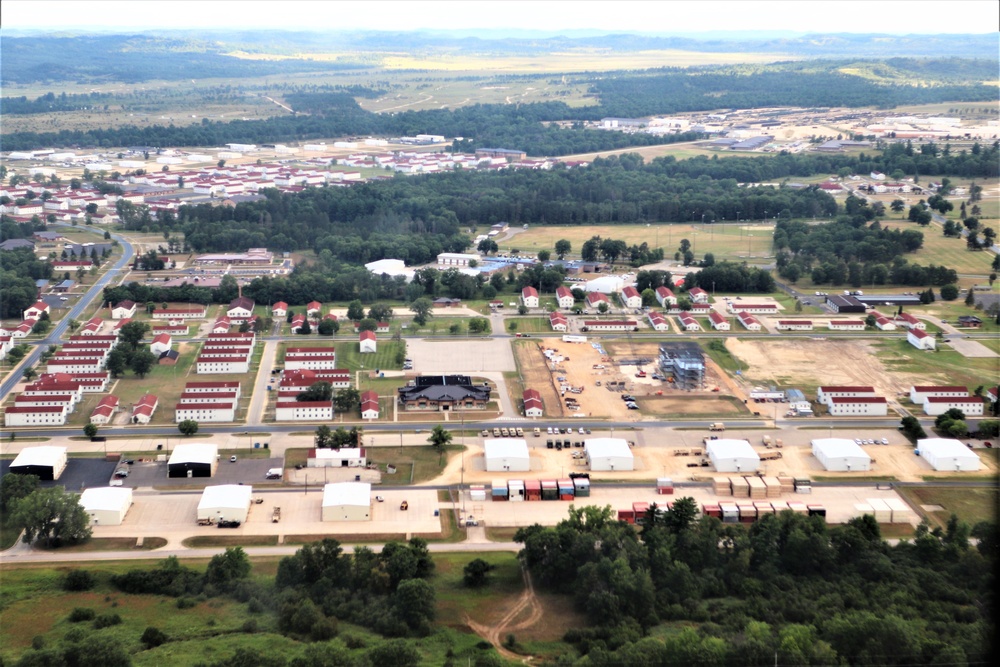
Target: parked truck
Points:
(276, 515)
(716, 426)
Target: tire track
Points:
(505, 625)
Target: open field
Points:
(727, 241)
(808, 363)
(950, 252)
(970, 505)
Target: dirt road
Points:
(506, 625)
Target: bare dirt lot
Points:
(813, 362)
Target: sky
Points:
(649, 16)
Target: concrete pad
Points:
(971, 348)
(465, 356)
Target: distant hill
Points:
(44, 57)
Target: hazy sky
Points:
(651, 16)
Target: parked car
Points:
(228, 524)
(232, 459)
(121, 472)
(885, 441)
(379, 499)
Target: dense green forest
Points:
(19, 269)
(415, 218)
(787, 590)
(747, 87)
(850, 251)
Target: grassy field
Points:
(726, 240)
(349, 355)
(970, 505)
(899, 356)
(211, 629)
(529, 324)
(414, 465)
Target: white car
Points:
(885, 441)
(549, 430)
(380, 499)
(581, 430)
(859, 441)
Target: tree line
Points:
(850, 251)
(787, 588)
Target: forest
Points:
(850, 251)
(787, 590)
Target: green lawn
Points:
(529, 324)
(425, 462)
(971, 505)
(727, 241)
(950, 252)
(950, 366)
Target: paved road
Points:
(255, 414)
(55, 336)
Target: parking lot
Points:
(243, 471)
(80, 474)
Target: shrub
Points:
(78, 580)
(80, 614)
(107, 620)
(186, 603)
(249, 626)
(153, 637)
(354, 641)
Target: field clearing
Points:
(950, 252)
(807, 363)
(691, 406)
(727, 241)
(970, 505)
(945, 365)
(535, 374)
(680, 151)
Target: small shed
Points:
(106, 506)
(841, 455)
(47, 462)
(507, 455)
(193, 461)
(226, 502)
(608, 454)
(348, 457)
(732, 455)
(946, 454)
(347, 501)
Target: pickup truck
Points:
(276, 515)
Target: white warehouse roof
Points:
(106, 498)
(605, 285)
(948, 454)
(47, 455)
(206, 453)
(225, 496)
(840, 454)
(506, 448)
(347, 493)
(604, 447)
(732, 455)
(345, 453)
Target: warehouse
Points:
(732, 455)
(47, 463)
(841, 455)
(350, 457)
(106, 506)
(227, 502)
(193, 461)
(347, 501)
(507, 455)
(607, 454)
(947, 455)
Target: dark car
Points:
(229, 524)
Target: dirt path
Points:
(506, 626)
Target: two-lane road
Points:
(74, 313)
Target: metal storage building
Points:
(47, 462)
(347, 501)
(229, 502)
(841, 455)
(350, 457)
(732, 455)
(507, 455)
(946, 454)
(106, 506)
(193, 461)
(606, 454)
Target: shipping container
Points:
(712, 510)
(748, 513)
(763, 508)
(882, 511)
(499, 490)
(779, 506)
(664, 485)
(757, 487)
(550, 489)
(740, 487)
(901, 512)
(798, 508)
(477, 492)
(628, 516)
(532, 489)
(581, 487)
(515, 490)
(816, 510)
(730, 512)
(639, 510)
